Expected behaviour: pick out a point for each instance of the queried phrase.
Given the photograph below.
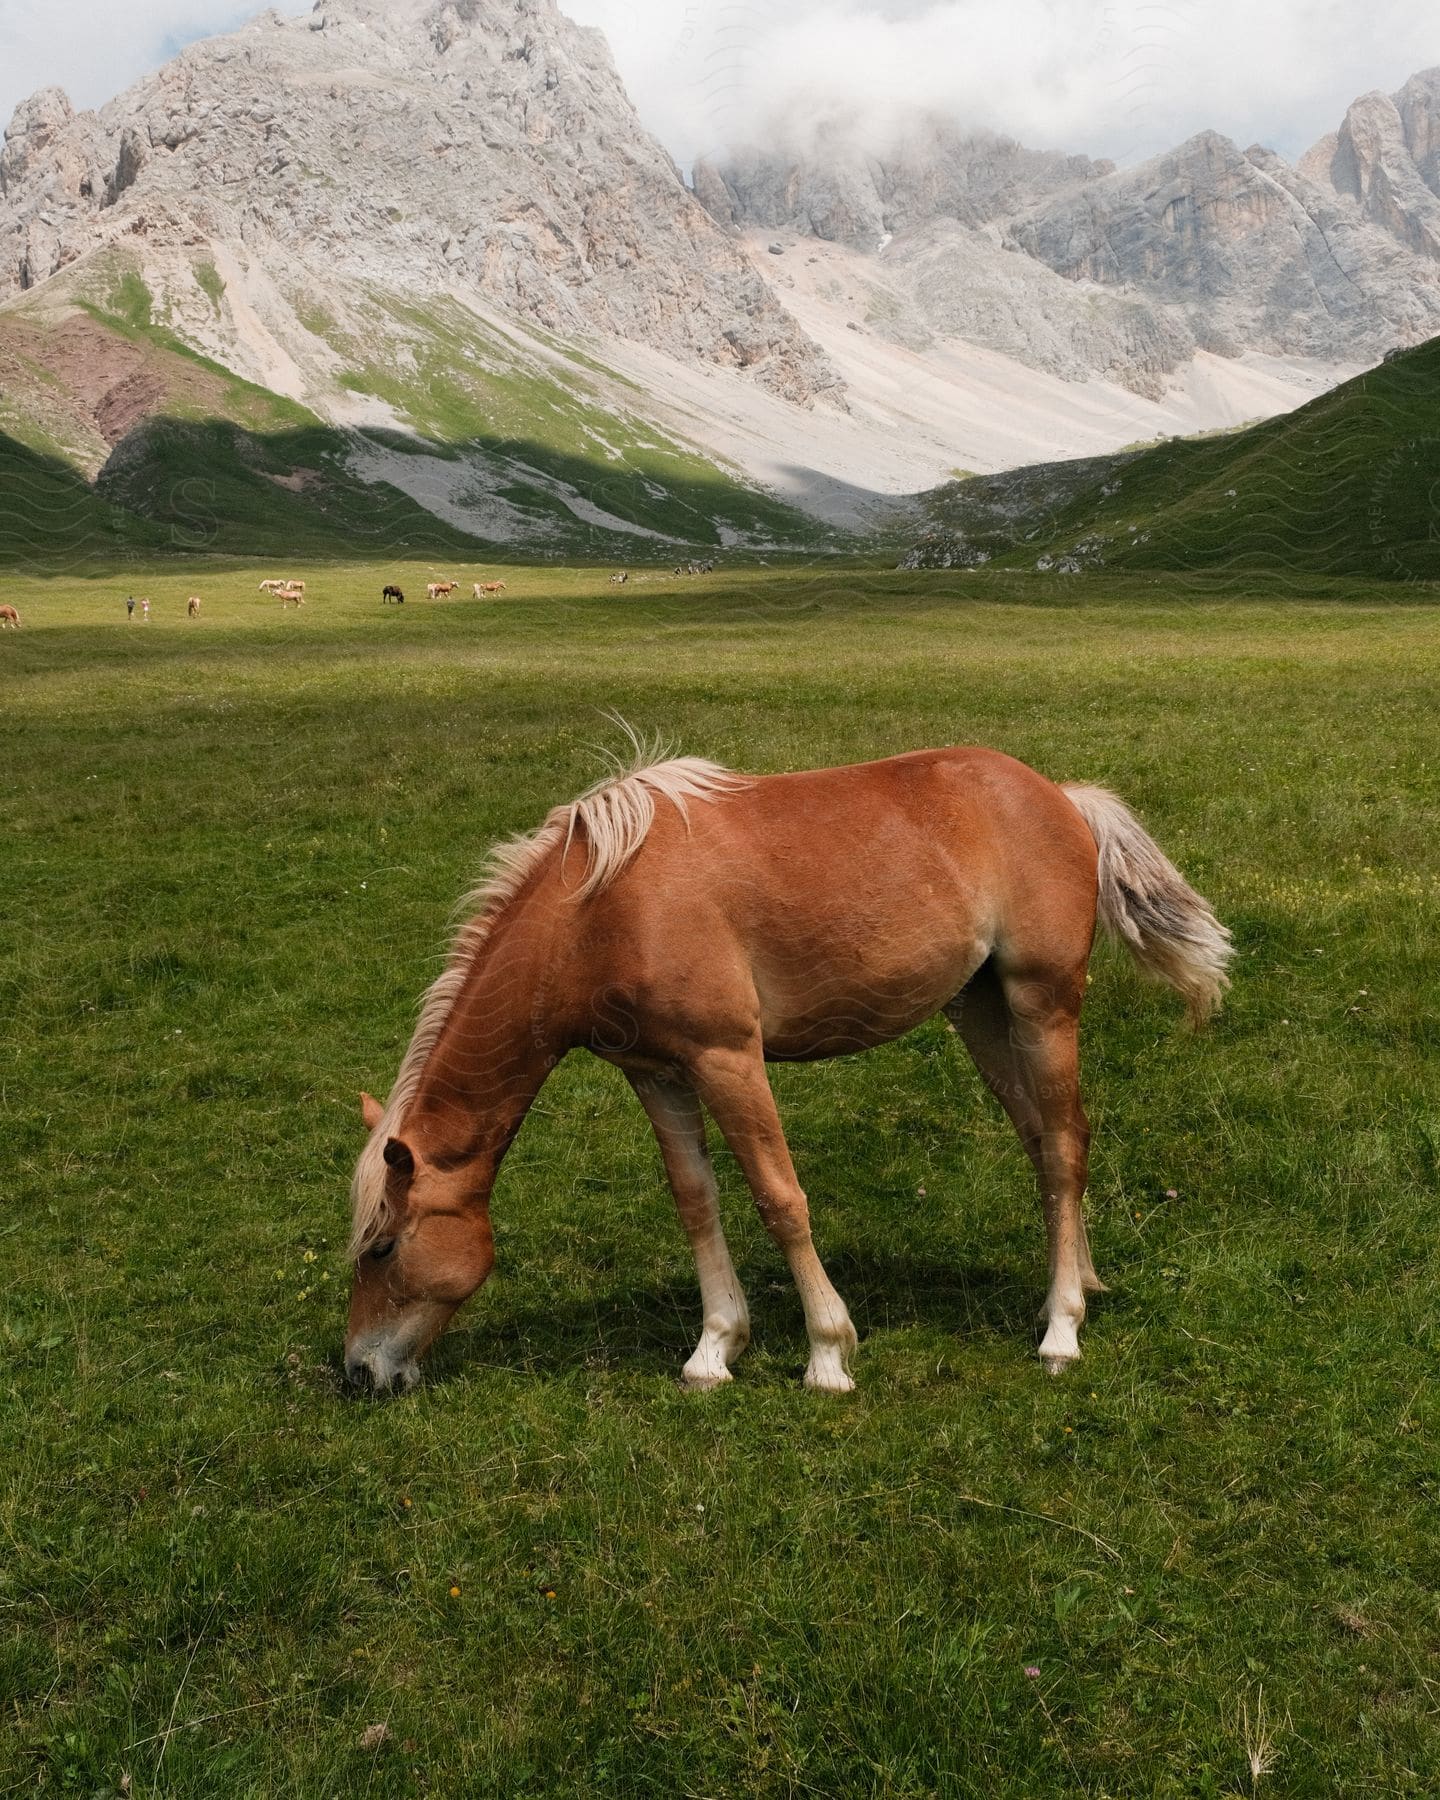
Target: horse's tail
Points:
(1147, 905)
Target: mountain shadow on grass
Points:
(52, 519)
(212, 486)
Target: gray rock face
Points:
(1206, 248)
(406, 144)
(839, 191)
(1245, 251)
(1386, 159)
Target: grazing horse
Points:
(272, 587)
(441, 590)
(485, 589)
(193, 606)
(620, 578)
(393, 593)
(9, 619)
(291, 596)
(688, 924)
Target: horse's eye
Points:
(381, 1251)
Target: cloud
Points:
(1119, 78)
(94, 49)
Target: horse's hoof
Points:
(829, 1377)
(1057, 1365)
(705, 1381)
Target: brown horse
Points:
(687, 924)
(9, 619)
(193, 606)
(485, 589)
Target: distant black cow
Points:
(393, 593)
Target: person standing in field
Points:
(130, 610)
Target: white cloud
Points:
(1121, 78)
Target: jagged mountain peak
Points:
(1202, 248)
(480, 144)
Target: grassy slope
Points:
(202, 468)
(1348, 485)
(472, 388)
(232, 848)
(51, 517)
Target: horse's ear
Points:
(400, 1157)
(371, 1111)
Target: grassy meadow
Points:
(1205, 1564)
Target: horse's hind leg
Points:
(734, 1085)
(1023, 1030)
(674, 1111)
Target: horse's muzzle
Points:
(372, 1372)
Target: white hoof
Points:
(701, 1381)
(1057, 1365)
(827, 1373)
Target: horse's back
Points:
(853, 902)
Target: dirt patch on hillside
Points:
(87, 380)
(299, 481)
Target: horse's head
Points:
(424, 1247)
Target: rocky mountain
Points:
(837, 188)
(405, 143)
(1082, 269)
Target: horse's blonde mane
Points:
(613, 819)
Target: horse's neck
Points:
(497, 1047)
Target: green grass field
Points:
(231, 853)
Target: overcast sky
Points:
(1119, 78)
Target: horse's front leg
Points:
(674, 1111)
(736, 1088)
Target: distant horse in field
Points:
(485, 590)
(9, 619)
(291, 596)
(393, 593)
(193, 606)
(441, 590)
(620, 578)
(272, 587)
(688, 925)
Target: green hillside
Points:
(1348, 485)
(122, 433)
(52, 518)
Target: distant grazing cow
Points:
(9, 619)
(490, 587)
(194, 606)
(441, 590)
(393, 593)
